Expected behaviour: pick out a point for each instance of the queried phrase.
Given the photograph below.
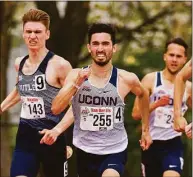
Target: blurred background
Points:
(142, 30)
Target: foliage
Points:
(143, 27)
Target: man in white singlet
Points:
(180, 123)
(98, 93)
(165, 155)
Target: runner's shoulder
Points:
(17, 62)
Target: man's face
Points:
(175, 58)
(35, 35)
(101, 48)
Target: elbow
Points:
(136, 116)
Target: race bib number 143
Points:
(32, 108)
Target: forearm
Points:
(66, 121)
(63, 98)
(144, 107)
(178, 95)
(136, 114)
(64, 124)
(153, 106)
(12, 99)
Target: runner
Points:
(165, 155)
(98, 105)
(38, 82)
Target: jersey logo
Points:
(85, 111)
(161, 92)
(112, 164)
(97, 100)
(106, 91)
(172, 166)
(86, 88)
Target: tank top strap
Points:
(113, 79)
(45, 61)
(158, 79)
(22, 62)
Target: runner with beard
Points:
(98, 93)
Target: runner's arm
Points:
(14, 97)
(50, 136)
(179, 88)
(136, 113)
(143, 96)
(66, 121)
(72, 83)
(143, 102)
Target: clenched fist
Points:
(82, 75)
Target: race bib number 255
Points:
(96, 118)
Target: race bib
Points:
(40, 83)
(32, 108)
(96, 119)
(118, 115)
(163, 117)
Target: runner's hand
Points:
(163, 101)
(50, 136)
(145, 141)
(180, 124)
(82, 75)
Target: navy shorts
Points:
(29, 154)
(162, 156)
(92, 165)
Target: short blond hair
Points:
(36, 15)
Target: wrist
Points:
(156, 104)
(76, 86)
(58, 130)
(177, 116)
(145, 129)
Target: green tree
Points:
(143, 28)
(6, 15)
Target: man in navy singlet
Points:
(38, 82)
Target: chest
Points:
(98, 82)
(36, 75)
(88, 94)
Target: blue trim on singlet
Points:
(44, 63)
(84, 68)
(113, 79)
(158, 79)
(22, 62)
